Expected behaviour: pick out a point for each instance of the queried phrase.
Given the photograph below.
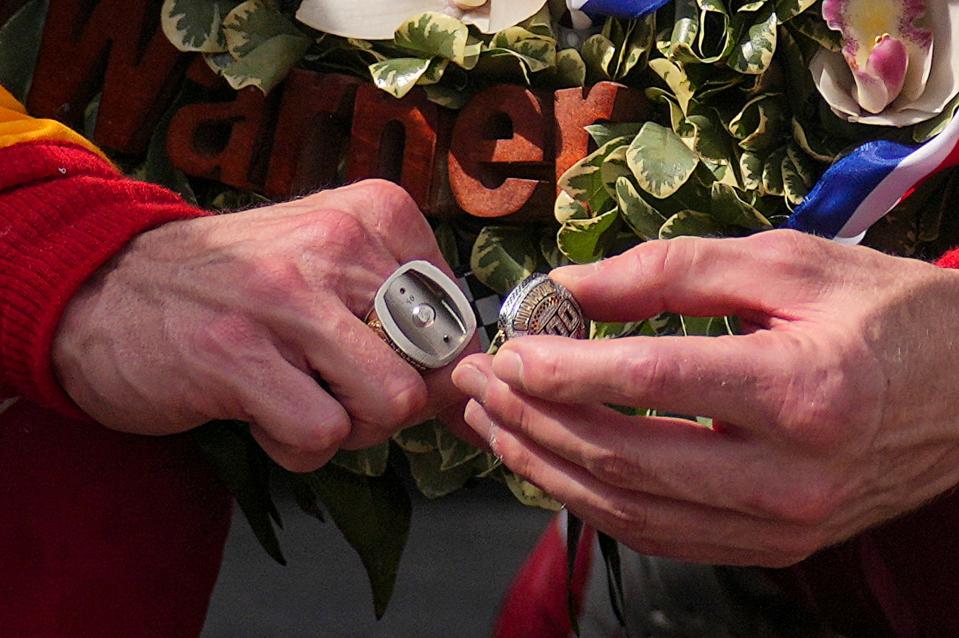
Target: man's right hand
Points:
(238, 316)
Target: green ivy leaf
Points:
(244, 470)
(369, 462)
(20, 41)
(729, 208)
(503, 256)
(660, 160)
(753, 54)
(254, 23)
(196, 25)
(645, 220)
(398, 76)
(435, 34)
(691, 224)
(584, 241)
(374, 516)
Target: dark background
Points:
(462, 554)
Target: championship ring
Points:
(540, 306)
(423, 315)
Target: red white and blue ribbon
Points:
(858, 190)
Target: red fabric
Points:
(536, 603)
(102, 533)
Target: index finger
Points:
(720, 377)
(767, 274)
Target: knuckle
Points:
(628, 517)
(809, 504)
(517, 458)
(644, 376)
(390, 195)
(612, 467)
(789, 249)
(273, 280)
(403, 404)
(341, 230)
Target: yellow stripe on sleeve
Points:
(16, 127)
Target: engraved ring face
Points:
(540, 306)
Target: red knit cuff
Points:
(64, 212)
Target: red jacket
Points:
(101, 533)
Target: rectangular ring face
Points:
(425, 314)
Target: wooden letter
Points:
(498, 157)
(312, 132)
(120, 43)
(577, 109)
(397, 140)
(224, 141)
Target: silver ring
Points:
(423, 315)
(540, 306)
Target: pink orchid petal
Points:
(884, 75)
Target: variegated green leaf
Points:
(604, 133)
(676, 79)
(528, 494)
(793, 184)
(568, 208)
(570, 70)
(760, 123)
(369, 462)
(707, 135)
(812, 25)
(253, 23)
(446, 96)
(265, 66)
(195, 25)
(430, 478)
(614, 167)
(419, 439)
(691, 224)
(584, 241)
(538, 51)
(753, 54)
(599, 54)
(503, 256)
(773, 173)
(584, 180)
(454, 452)
(660, 160)
(751, 169)
(435, 34)
(645, 220)
(729, 208)
(398, 76)
(804, 166)
(786, 10)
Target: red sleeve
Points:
(64, 212)
(899, 579)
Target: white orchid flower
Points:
(378, 19)
(899, 63)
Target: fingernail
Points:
(470, 380)
(508, 366)
(571, 274)
(477, 418)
